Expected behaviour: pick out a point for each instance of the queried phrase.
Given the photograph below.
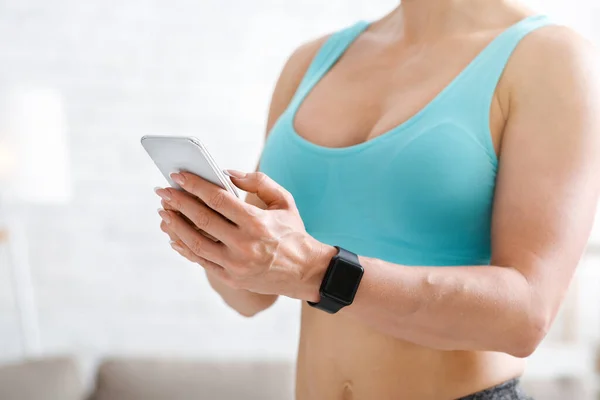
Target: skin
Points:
(418, 332)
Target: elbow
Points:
(251, 310)
(247, 313)
(529, 335)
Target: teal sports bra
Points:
(421, 193)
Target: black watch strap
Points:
(328, 304)
(348, 255)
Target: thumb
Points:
(269, 191)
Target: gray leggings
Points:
(509, 390)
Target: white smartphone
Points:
(185, 154)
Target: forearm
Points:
(243, 301)
(451, 308)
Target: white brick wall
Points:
(105, 277)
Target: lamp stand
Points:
(13, 239)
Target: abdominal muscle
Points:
(341, 358)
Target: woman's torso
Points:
(392, 154)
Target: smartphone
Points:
(185, 154)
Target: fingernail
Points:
(165, 216)
(234, 174)
(164, 194)
(178, 178)
(176, 246)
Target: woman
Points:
(452, 146)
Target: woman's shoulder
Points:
(552, 52)
(548, 65)
(291, 76)
(298, 62)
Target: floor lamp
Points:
(33, 171)
(12, 240)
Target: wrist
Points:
(314, 269)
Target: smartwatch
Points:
(340, 283)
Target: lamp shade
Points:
(33, 146)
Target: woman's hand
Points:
(264, 251)
(176, 243)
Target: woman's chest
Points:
(367, 95)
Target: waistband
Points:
(509, 390)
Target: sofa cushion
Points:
(124, 379)
(48, 379)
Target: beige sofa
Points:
(148, 379)
(154, 379)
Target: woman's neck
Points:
(423, 20)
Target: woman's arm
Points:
(546, 195)
(245, 302)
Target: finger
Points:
(199, 244)
(208, 235)
(164, 227)
(164, 204)
(202, 217)
(175, 239)
(185, 251)
(269, 191)
(168, 207)
(218, 199)
(209, 266)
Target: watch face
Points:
(343, 281)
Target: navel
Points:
(347, 393)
